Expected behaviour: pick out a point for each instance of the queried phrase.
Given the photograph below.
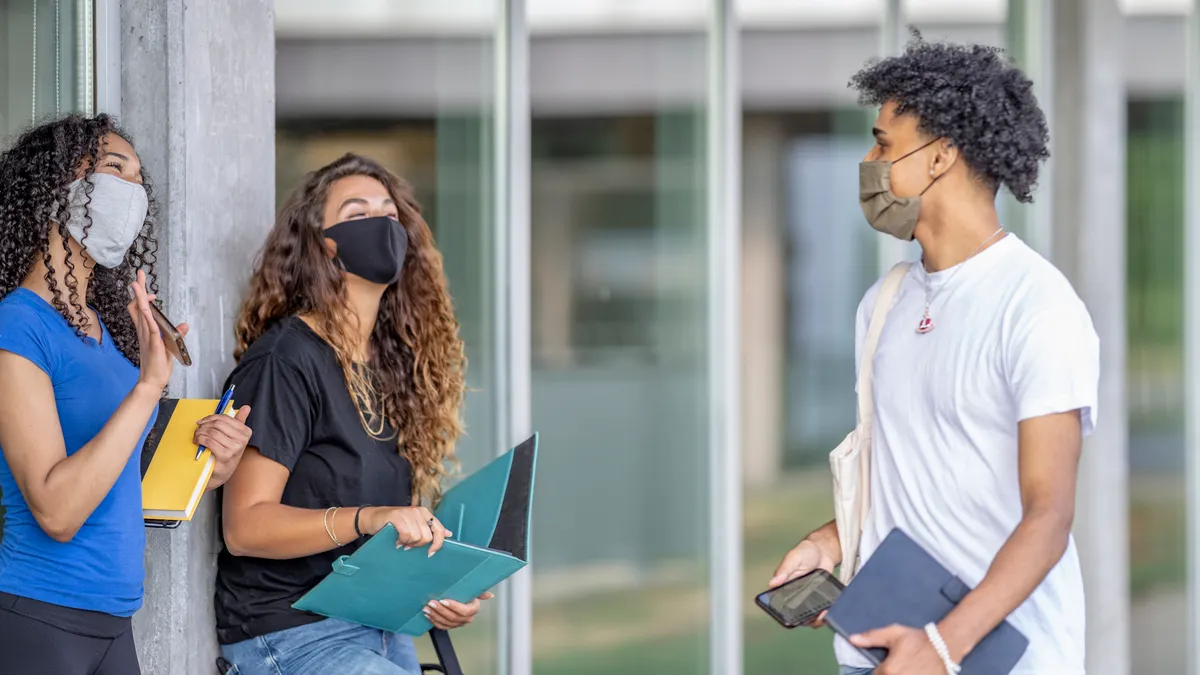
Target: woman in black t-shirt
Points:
(349, 356)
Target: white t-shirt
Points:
(1011, 341)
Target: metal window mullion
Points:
(107, 76)
(724, 250)
(1040, 54)
(1192, 328)
(85, 61)
(512, 298)
(1031, 41)
(893, 31)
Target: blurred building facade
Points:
(682, 341)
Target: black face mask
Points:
(372, 248)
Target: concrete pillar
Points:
(198, 97)
(1089, 246)
(763, 298)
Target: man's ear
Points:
(946, 157)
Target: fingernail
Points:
(446, 603)
(432, 603)
(407, 548)
(430, 554)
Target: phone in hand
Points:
(801, 600)
(172, 339)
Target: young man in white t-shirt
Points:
(986, 374)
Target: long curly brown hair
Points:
(414, 376)
(34, 177)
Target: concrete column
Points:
(198, 97)
(1089, 246)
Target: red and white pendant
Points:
(926, 323)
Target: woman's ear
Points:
(330, 247)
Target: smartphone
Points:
(801, 600)
(171, 337)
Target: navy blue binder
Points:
(902, 584)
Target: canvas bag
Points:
(850, 461)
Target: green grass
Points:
(1157, 534)
(667, 628)
(768, 649)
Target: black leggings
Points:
(37, 638)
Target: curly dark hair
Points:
(34, 177)
(415, 380)
(973, 96)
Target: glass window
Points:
(46, 61)
(339, 89)
(807, 258)
(620, 580)
(1155, 385)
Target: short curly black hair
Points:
(973, 96)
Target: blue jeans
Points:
(328, 646)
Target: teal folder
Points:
(384, 587)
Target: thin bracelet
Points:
(329, 530)
(939, 645)
(356, 515)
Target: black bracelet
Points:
(356, 514)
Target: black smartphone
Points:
(801, 600)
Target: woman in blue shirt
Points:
(82, 370)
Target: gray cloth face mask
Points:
(118, 209)
(886, 212)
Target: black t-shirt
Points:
(303, 417)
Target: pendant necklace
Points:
(926, 323)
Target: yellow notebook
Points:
(173, 480)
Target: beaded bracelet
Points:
(939, 645)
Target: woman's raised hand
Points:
(156, 362)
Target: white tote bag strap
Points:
(866, 379)
(866, 369)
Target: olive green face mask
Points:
(885, 211)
